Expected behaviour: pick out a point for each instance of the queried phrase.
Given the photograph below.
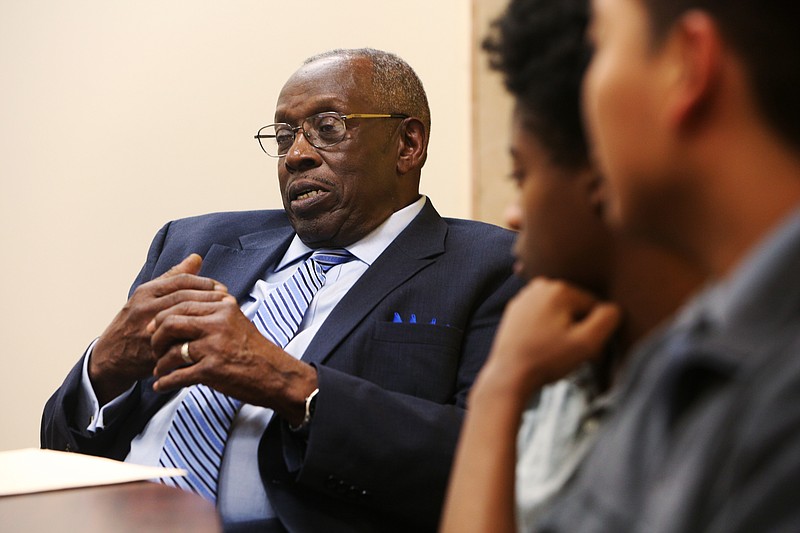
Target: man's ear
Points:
(413, 146)
(693, 69)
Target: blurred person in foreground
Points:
(311, 371)
(527, 429)
(693, 109)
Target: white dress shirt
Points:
(241, 495)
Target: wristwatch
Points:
(311, 405)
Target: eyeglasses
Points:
(321, 131)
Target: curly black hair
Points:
(539, 48)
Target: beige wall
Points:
(492, 190)
(118, 116)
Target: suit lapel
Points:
(415, 248)
(240, 268)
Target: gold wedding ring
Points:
(185, 353)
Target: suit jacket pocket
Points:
(417, 359)
(418, 334)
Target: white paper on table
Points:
(33, 470)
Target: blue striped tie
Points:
(280, 314)
(196, 439)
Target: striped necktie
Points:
(196, 439)
(280, 314)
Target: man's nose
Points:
(302, 154)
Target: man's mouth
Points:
(309, 194)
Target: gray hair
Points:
(395, 85)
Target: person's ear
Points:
(595, 189)
(412, 146)
(693, 67)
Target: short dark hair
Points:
(764, 34)
(539, 47)
(395, 84)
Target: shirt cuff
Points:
(89, 409)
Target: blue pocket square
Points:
(413, 320)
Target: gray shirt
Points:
(706, 435)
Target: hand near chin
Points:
(123, 353)
(548, 329)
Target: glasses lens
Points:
(276, 139)
(325, 129)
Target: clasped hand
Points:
(230, 354)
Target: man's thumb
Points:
(190, 265)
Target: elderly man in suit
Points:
(310, 371)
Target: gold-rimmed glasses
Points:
(321, 131)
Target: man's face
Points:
(335, 196)
(561, 234)
(624, 113)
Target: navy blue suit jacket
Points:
(392, 395)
